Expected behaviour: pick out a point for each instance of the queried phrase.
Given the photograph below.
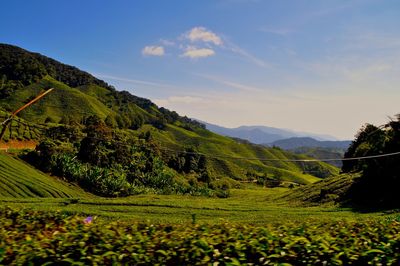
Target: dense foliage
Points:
(380, 176)
(28, 237)
(110, 163)
(25, 67)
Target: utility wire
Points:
(249, 158)
(288, 160)
(263, 159)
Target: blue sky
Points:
(317, 66)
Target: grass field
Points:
(22, 186)
(43, 220)
(255, 206)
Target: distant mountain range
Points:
(315, 148)
(298, 142)
(263, 134)
(313, 145)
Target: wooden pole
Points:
(8, 120)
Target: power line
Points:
(289, 160)
(265, 159)
(245, 158)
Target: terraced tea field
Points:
(20, 180)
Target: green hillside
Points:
(331, 190)
(322, 153)
(20, 180)
(227, 157)
(63, 102)
(77, 96)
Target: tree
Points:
(380, 177)
(94, 148)
(370, 140)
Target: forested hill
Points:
(78, 97)
(20, 69)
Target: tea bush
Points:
(36, 238)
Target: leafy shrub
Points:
(101, 181)
(222, 184)
(222, 193)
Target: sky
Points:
(325, 67)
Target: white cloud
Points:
(193, 52)
(153, 50)
(200, 42)
(201, 34)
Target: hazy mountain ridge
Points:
(298, 142)
(314, 148)
(262, 134)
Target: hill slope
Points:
(322, 153)
(330, 190)
(78, 95)
(227, 157)
(20, 180)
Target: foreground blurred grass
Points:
(56, 238)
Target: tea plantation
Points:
(56, 238)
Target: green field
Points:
(25, 187)
(43, 220)
(245, 206)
